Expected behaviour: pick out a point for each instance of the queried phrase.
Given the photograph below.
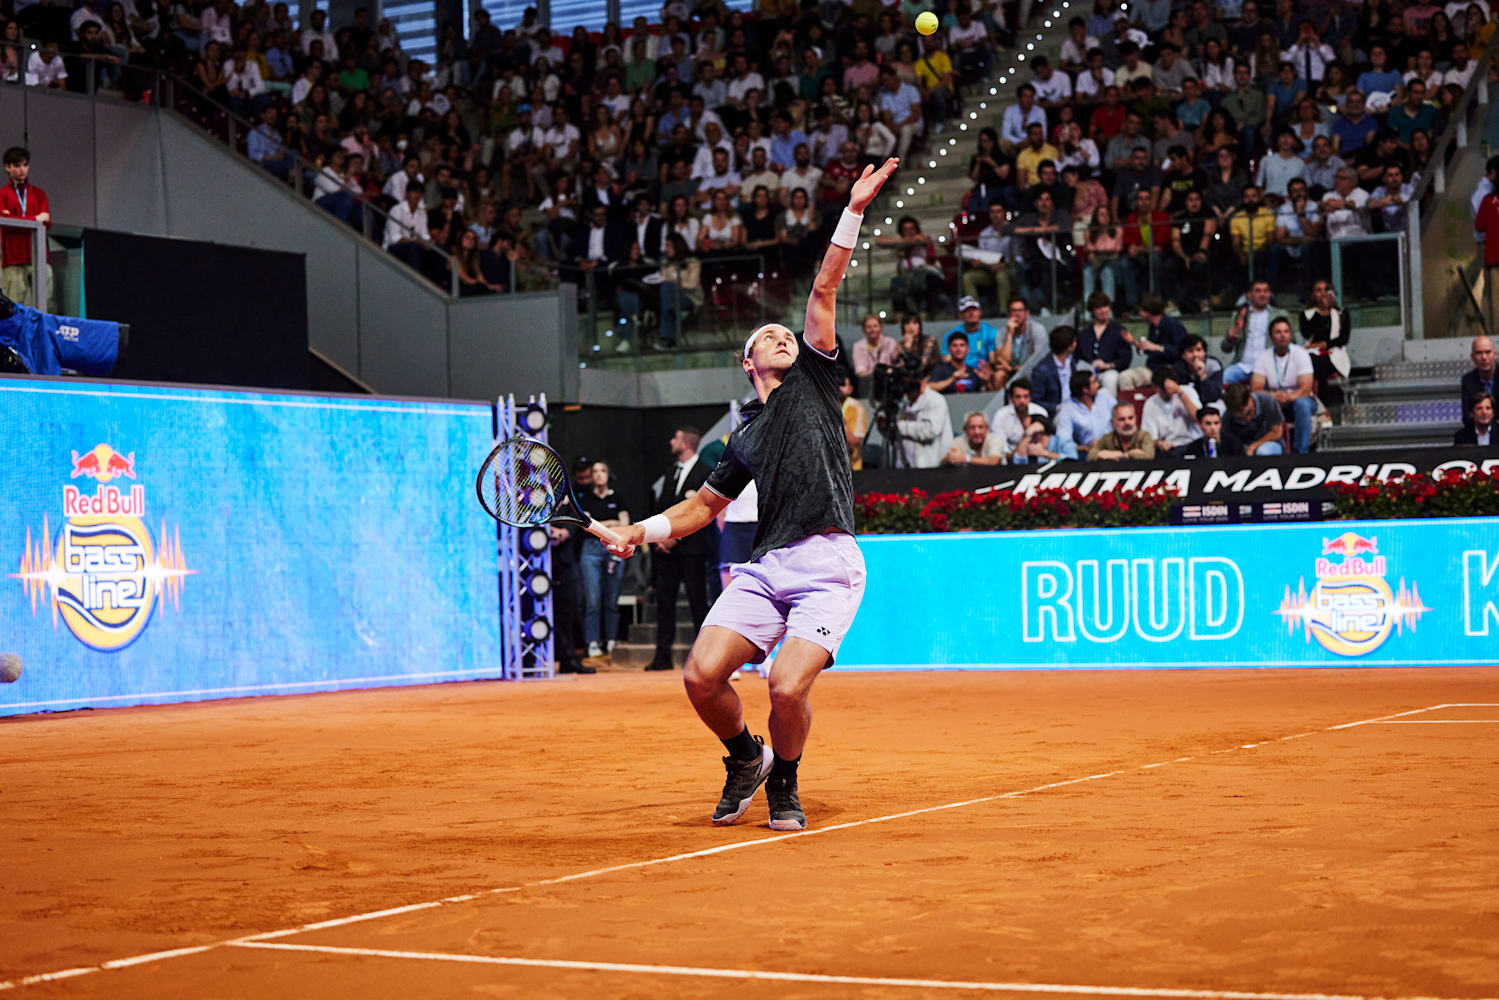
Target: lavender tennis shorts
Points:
(809, 589)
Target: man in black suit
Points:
(598, 244)
(645, 228)
(1052, 375)
(681, 561)
(1480, 380)
(1216, 441)
(1480, 429)
(567, 585)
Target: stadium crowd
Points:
(1172, 145)
(1215, 150)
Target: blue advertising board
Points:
(1332, 594)
(165, 544)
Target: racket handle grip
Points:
(604, 534)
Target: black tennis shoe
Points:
(744, 778)
(785, 807)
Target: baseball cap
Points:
(580, 463)
(523, 109)
(967, 302)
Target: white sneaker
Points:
(594, 650)
(611, 647)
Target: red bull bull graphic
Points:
(103, 463)
(104, 574)
(1351, 609)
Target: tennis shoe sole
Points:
(767, 757)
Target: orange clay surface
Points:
(1361, 861)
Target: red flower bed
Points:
(1455, 493)
(1004, 510)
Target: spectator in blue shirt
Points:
(983, 338)
(783, 141)
(676, 113)
(278, 58)
(1285, 93)
(900, 109)
(264, 145)
(1379, 77)
(1087, 416)
(1194, 108)
(1040, 444)
(1354, 127)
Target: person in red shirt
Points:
(20, 199)
(1107, 118)
(837, 181)
(1146, 236)
(1487, 223)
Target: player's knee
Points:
(787, 692)
(698, 681)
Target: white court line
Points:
(1439, 722)
(812, 977)
(631, 865)
(1383, 718)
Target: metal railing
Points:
(710, 302)
(106, 77)
(1059, 274)
(704, 303)
(1455, 135)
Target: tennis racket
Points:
(525, 484)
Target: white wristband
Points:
(657, 528)
(847, 233)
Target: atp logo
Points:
(1351, 609)
(105, 573)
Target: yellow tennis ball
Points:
(926, 22)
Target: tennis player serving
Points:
(806, 574)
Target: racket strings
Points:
(523, 482)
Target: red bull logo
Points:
(103, 463)
(105, 573)
(1351, 609)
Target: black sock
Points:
(783, 768)
(743, 746)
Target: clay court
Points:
(1147, 834)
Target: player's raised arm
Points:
(822, 303)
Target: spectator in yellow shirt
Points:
(934, 75)
(1251, 226)
(1035, 151)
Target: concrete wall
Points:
(110, 165)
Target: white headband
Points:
(749, 342)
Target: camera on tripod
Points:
(893, 382)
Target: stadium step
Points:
(645, 632)
(1448, 372)
(1386, 390)
(1415, 434)
(635, 655)
(1440, 411)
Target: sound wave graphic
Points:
(42, 578)
(37, 571)
(1297, 610)
(169, 568)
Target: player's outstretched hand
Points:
(868, 185)
(632, 535)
